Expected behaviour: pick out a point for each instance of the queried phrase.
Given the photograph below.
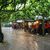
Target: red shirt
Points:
(47, 25)
(35, 26)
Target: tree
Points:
(3, 16)
(8, 6)
(23, 9)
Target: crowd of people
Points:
(36, 27)
(17, 25)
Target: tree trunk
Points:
(1, 34)
(43, 27)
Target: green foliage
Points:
(23, 1)
(4, 17)
(31, 8)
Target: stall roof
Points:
(29, 20)
(19, 21)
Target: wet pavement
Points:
(20, 40)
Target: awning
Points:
(20, 21)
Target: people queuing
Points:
(36, 27)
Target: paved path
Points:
(20, 40)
